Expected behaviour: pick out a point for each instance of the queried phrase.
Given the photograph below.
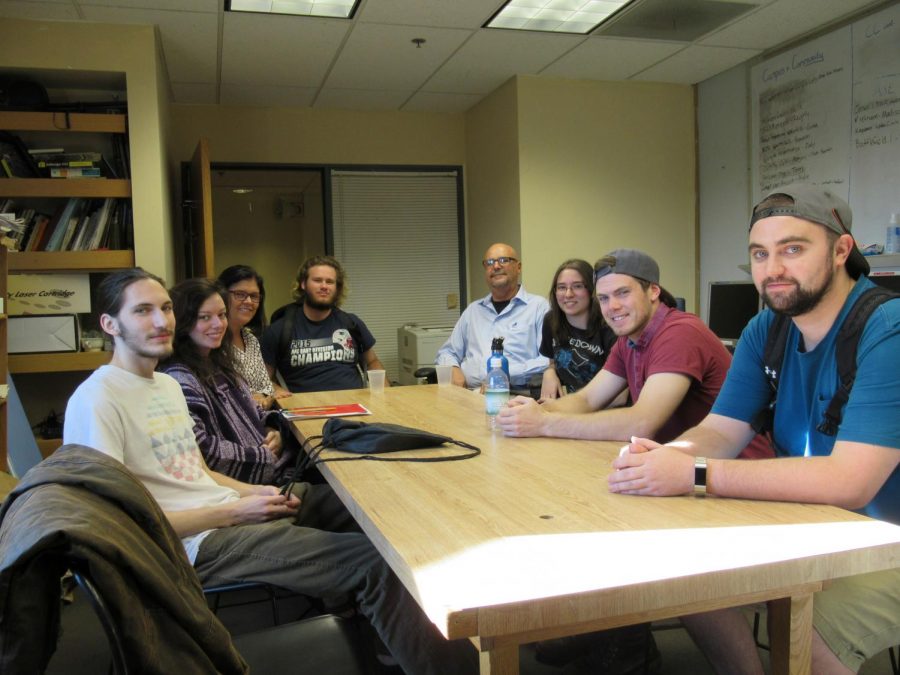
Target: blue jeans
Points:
(321, 552)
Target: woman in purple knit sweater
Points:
(235, 435)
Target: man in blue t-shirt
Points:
(806, 266)
(322, 347)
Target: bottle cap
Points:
(497, 344)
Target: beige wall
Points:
(308, 136)
(607, 165)
(492, 180)
(569, 168)
(313, 137)
(130, 50)
(287, 241)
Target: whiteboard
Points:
(828, 113)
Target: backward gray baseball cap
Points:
(817, 205)
(628, 261)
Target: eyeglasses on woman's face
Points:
(576, 287)
(244, 296)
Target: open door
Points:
(199, 234)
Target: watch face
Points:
(700, 474)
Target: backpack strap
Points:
(773, 358)
(847, 346)
(289, 314)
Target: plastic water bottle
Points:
(892, 240)
(496, 394)
(497, 352)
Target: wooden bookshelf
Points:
(65, 187)
(61, 121)
(55, 129)
(57, 362)
(70, 261)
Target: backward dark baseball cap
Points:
(628, 261)
(817, 205)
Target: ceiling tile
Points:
(377, 56)
(426, 101)
(266, 95)
(180, 5)
(370, 62)
(442, 13)
(189, 39)
(491, 57)
(672, 20)
(279, 50)
(50, 11)
(361, 99)
(782, 21)
(189, 92)
(695, 64)
(610, 58)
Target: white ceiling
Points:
(370, 63)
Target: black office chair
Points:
(428, 373)
(214, 596)
(323, 644)
(532, 388)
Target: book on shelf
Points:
(39, 225)
(322, 411)
(76, 172)
(80, 224)
(64, 223)
(14, 158)
(76, 165)
(69, 159)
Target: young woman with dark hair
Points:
(237, 438)
(575, 337)
(246, 302)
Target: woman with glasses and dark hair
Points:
(575, 337)
(237, 438)
(246, 320)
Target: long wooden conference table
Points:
(525, 542)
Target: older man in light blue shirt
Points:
(508, 311)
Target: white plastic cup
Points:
(444, 374)
(376, 381)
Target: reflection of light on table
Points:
(510, 569)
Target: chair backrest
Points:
(23, 452)
(116, 647)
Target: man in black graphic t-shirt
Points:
(325, 347)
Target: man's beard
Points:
(316, 304)
(159, 351)
(801, 300)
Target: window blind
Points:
(397, 236)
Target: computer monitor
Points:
(891, 281)
(731, 306)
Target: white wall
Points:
(724, 159)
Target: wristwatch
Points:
(699, 475)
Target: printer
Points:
(416, 348)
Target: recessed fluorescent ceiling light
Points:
(556, 16)
(341, 9)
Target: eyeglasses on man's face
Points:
(502, 260)
(244, 296)
(576, 287)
